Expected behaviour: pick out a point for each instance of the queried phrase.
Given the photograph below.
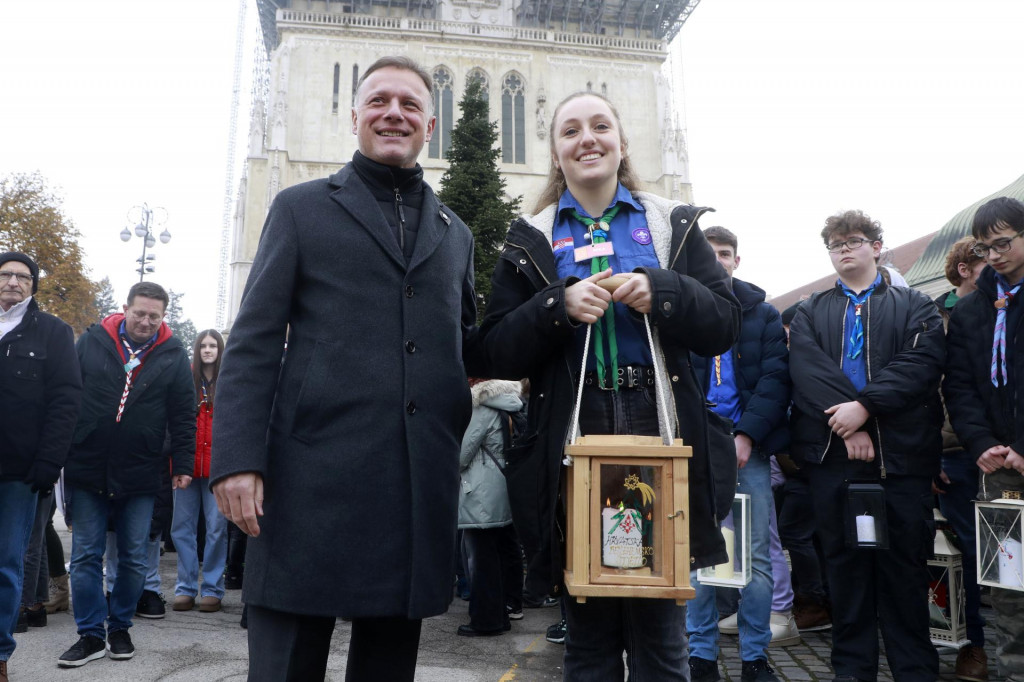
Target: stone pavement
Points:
(198, 647)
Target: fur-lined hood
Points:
(499, 394)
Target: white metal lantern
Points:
(736, 531)
(999, 535)
(947, 622)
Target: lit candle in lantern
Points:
(622, 543)
(866, 530)
(1010, 563)
(727, 571)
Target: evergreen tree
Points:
(105, 302)
(182, 327)
(475, 190)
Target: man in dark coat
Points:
(40, 380)
(341, 462)
(137, 387)
(865, 360)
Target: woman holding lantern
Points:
(601, 253)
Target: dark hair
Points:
(148, 290)
(405, 63)
(719, 234)
(197, 365)
(995, 214)
(960, 252)
(556, 184)
(848, 222)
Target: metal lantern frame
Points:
(946, 601)
(999, 526)
(737, 571)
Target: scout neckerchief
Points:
(605, 327)
(1002, 302)
(135, 358)
(856, 344)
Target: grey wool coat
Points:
(356, 429)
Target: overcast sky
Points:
(795, 109)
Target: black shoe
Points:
(758, 670)
(232, 581)
(86, 649)
(35, 619)
(703, 670)
(119, 644)
(556, 633)
(544, 603)
(513, 613)
(470, 631)
(151, 605)
(22, 625)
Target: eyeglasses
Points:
(853, 243)
(22, 277)
(981, 250)
(140, 316)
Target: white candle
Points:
(623, 546)
(1010, 564)
(727, 571)
(866, 529)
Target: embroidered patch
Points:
(642, 235)
(562, 244)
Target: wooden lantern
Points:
(736, 532)
(999, 535)
(947, 621)
(627, 503)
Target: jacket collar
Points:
(747, 294)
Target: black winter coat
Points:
(527, 332)
(982, 415)
(761, 361)
(42, 385)
(905, 351)
(127, 458)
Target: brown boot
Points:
(3, 671)
(60, 595)
(812, 617)
(209, 604)
(972, 664)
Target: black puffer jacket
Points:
(905, 351)
(42, 385)
(527, 332)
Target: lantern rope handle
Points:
(575, 423)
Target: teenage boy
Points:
(983, 374)
(749, 385)
(866, 360)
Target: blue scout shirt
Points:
(856, 369)
(724, 394)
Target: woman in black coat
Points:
(543, 296)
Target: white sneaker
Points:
(784, 631)
(730, 625)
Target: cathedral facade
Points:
(528, 55)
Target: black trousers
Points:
(874, 589)
(287, 647)
(495, 570)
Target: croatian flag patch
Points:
(560, 244)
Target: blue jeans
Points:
(754, 614)
(152, 582)
(132, 518)
(188, 504)
(17, 511)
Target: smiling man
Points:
(340, 459)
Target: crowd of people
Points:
(612, 311)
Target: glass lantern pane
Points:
(999, 540)
(630, 535)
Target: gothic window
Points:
(334, 97)
(355, 82)
(513, 120)
(445, 113)
(478, 75)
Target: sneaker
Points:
(544, 603)
(758, 670)
(730, 625)
(232, 581)
(36, 618)
(119, 644)
(813, 617)
(86, 649)
(972, 664)
(22, 624)
(60, 595)
(703, 670)
(514, 614)
(151, 605)
(556, 633)
(784, 630)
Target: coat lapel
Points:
(434, 222)
(351, 194)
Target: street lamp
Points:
(146, 220)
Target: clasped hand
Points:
(586, 302)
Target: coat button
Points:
(31, 354)
(667, 306)
(550, 302)
(675, 377)
(410, 407)
(408, 291)
(410, 347)
(522, 261)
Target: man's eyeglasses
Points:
(5, 277)
(981, 250)
(853, 243)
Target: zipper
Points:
(675, 257)
(867, 363)
(400, 214)
(535, 266)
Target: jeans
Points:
(132, 518)
(782, 592)
(189, 503)
(35, 587)
(17, 512)
(754, 614)
(652, 632)
(152, 583)
(957, 505)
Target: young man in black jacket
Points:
(983, 373)
(866, 360)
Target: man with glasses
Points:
(137, 388)
(865, 360)
(984, 373)
(42, 386)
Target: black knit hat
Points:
(22, 258)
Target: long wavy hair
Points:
(197, 365)
(556, 184)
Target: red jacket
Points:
(204, 429)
